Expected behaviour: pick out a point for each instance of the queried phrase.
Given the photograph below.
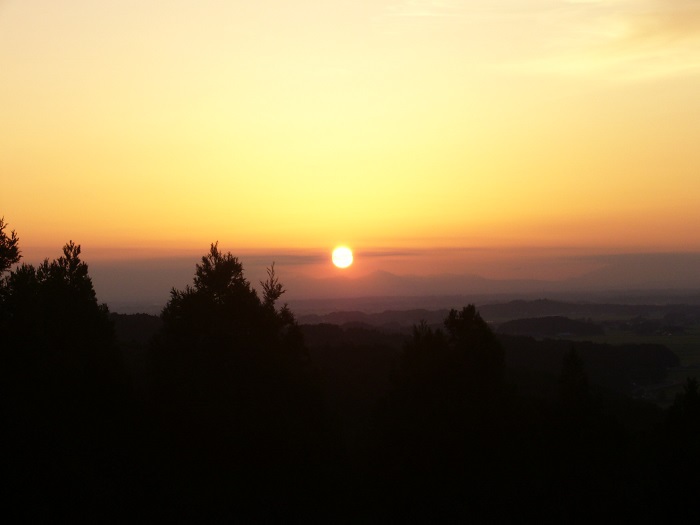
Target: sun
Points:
(342, 257)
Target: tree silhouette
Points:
(54, 310)
(441, 421)
(55, 304)
(482, 355)
(64, 393)
(9, 248)
(683, 422)
(272, 288)
(233, 388)
(687, 402)
(469, 355)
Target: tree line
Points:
(236, 419)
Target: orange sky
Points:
(275, 125)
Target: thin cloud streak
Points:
(285, 259)
(627, 40)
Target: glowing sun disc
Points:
(342, 257)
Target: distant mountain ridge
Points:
(618, 273)
(555, 325)
(382, 283)
(503, 312)
(143, 286)
(388, 319)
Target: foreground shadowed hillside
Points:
(224, 408)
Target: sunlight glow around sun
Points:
(342, 257)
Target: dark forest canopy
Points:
(225, 409)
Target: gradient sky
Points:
(147, 127)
